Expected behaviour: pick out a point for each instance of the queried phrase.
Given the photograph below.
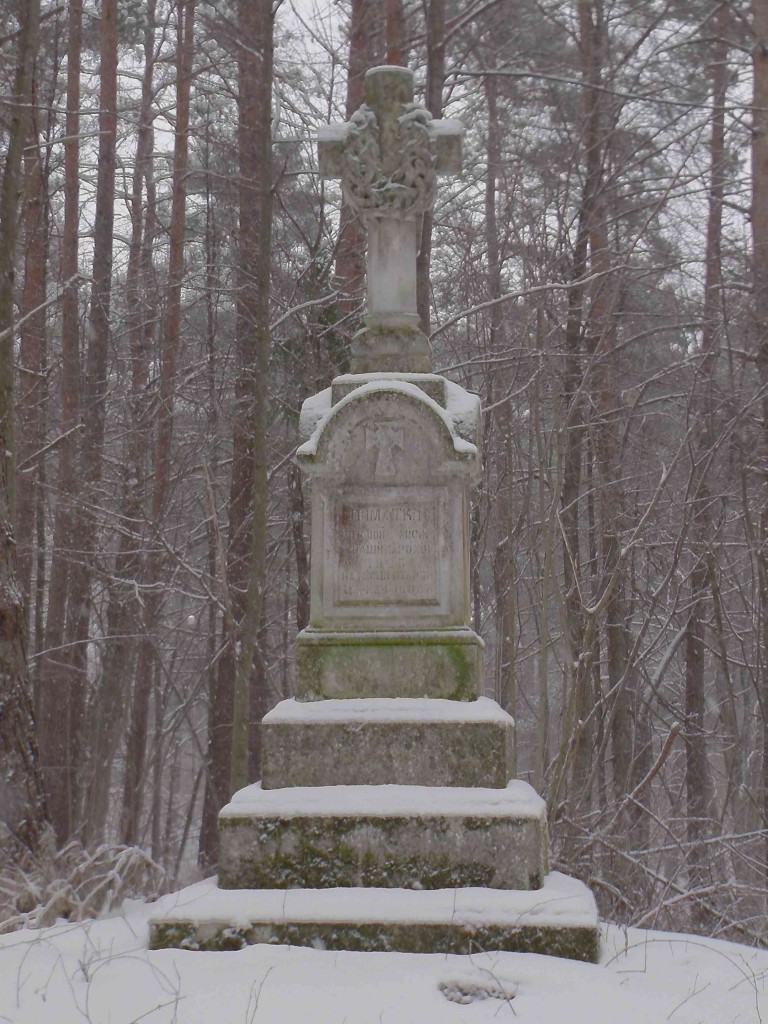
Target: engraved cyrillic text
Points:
(387, 553)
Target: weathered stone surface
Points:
(570, 942)
(391, 343)
(390, 512)
(388, 156)
(395, 836)
(560, 919)
(391, 469)
(387, 742)
(461, 407)
(430, 383)
(384, 822)
(447, 664)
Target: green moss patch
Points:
(382, 852)
(570, 943)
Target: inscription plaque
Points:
(386, 546)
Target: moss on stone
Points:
(380, 851)
(464, 670)
(392, 665)
(567, 942)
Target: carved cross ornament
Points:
(389, 154)
(386, 438)
(388, 157)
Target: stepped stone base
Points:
(560, 919)
(445, 663)
(378, 742)
(413, 837)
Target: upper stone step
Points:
(387, 741)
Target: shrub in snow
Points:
(72, 883)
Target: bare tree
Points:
(123, 614)
(231, 700)
(697, 779)
(759, 221)
(22, 805)
(145, 670)
(56, 711)
(435, 17)
(364, 52)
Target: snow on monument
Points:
(385, 818)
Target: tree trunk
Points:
(94, 394)
(137, 731)
(395, 32)
(22, 804)
(601, 334)
(32, 381)
(434, 103)
(298, 516)
(106, 713)
(65, 672)
(698, 785)
(230, 699)
(580, 743)
(759, 221)
(255, 138)
(350, 251)
(503, 561)
(57, 704)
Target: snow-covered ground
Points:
(101, 972)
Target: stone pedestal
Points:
(391, 460)
(386, 816)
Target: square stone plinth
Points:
(409, 663)
(381, 741)
(560, 919)
(430, 383)
(414, 837)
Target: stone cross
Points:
(388, 156)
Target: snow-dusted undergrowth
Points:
(71, 883)
(101, 972)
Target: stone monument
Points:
(385, 817)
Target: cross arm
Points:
(330, 149)
(447, 134)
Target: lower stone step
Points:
(414, 837)
(560, 919)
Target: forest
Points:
(176, 278)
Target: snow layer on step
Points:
(562, 902)
(386, 709)
(517, 800)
